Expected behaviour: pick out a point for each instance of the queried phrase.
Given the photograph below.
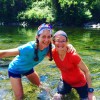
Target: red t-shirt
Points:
(71, 73)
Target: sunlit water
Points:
(86, 42)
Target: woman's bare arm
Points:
(9, 52)
(86, 71)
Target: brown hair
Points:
(36, 51)
(41, 27)
(67, 40)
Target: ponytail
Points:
(50, 52)
(36, 50)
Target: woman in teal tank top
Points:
(28, 56)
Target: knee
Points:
(57, 96)
(19, 96)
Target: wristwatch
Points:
(90, 90)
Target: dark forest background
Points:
(64, 12)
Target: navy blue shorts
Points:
(64, 88)
(19, 75)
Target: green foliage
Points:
(10, 9)
(68, 12)
(96, 11)
(39, 11)
(75, 11)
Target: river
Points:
(86, 42)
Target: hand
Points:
(57, 97)
(44, 86)
(70, 48)
(91, 96)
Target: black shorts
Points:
(19, 75)
(64, 88)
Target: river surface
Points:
(86, 42)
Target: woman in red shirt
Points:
(74, 72)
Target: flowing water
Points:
(86, 42)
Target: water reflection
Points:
(49, 91)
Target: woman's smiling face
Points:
(44, 39)
(60, 42)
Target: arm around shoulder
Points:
(9, 52)
(70, 48)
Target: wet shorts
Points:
(19, 75)
(64, 88)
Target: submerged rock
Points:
(4, 63)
